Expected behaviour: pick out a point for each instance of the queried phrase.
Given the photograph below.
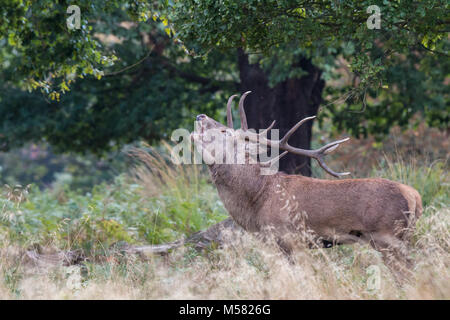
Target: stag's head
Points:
(225, 145)
(222, 144)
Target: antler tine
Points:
(229, 115)
(327, 169)
(270, 162)
(286, 137)
(253, 136)
(262, 133)
(244, 125)
(333, 145)
(284, 141)
(317, 154)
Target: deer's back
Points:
(342, 205)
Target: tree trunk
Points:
(287, 103)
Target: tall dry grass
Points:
(247, 268)
(155, 171)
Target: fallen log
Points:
(215, 236)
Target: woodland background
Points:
(86, 116)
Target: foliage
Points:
(418, 150)
(38, 164)
(151, 81)
(432, 182)
(151, 89)
(40, 46)
(248, 269)
(398, 70)
(108, 214)
(159, 202)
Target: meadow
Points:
(156, 202)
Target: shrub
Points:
(156, 203)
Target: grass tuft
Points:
(159, 202)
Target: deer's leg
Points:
(395, 245)
(285, 248)
(348, 239)
(279, 240)
(395, 254)
(332, 238)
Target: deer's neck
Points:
(242, 190)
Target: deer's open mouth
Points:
(199, 127)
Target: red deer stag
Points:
(375, 211)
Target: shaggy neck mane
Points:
(241, 189)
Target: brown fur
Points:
(334, 208)
(375, 211)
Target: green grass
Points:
(121, 211)
(431, 181)
(158, 202)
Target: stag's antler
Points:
(229, 115)
(283, 144)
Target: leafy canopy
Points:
(152, 87)
(142, 52)
(397, 70)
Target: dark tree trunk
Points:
(287, 103)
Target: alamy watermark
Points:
(74, 20)
(226, 146)
(374, 278)
(374, 20)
